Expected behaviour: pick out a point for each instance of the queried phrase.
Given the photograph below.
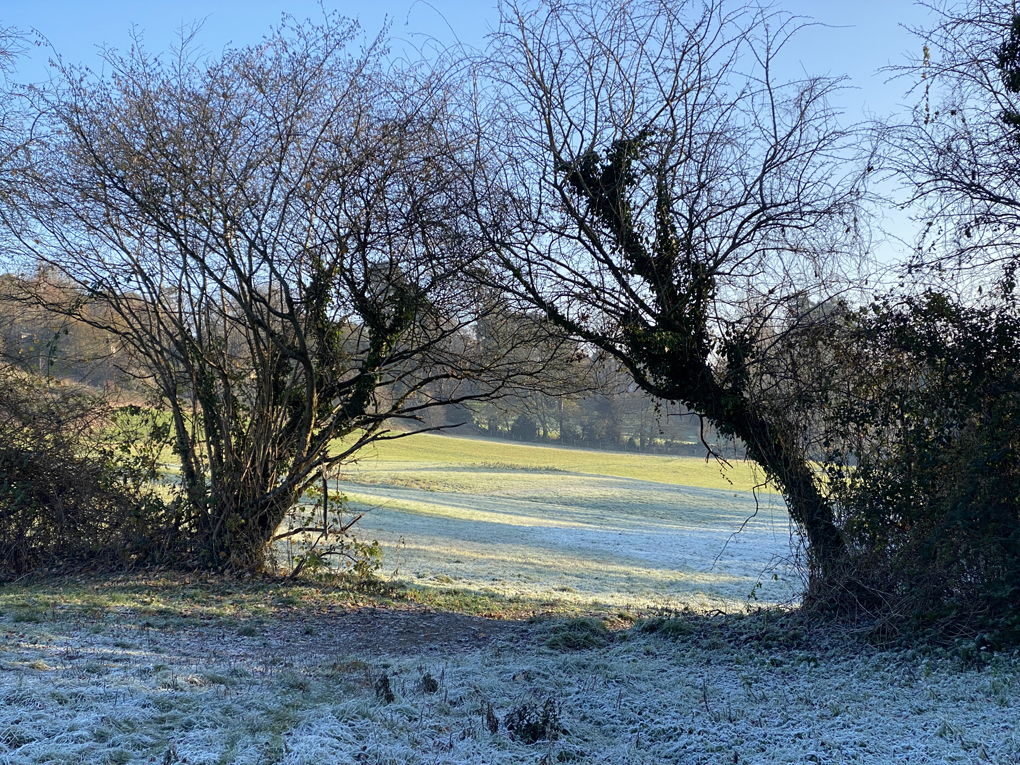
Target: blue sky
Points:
(861, 37)
(851, 38)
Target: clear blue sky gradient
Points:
(850, 38)
(860, 37)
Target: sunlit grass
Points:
(494, 456)
(174, 599)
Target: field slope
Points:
(573, 526)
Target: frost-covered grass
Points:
(115, 685)
(568, 527)
(637, 545)
(179, 669)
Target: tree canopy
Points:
(278, 235)
(673, 203)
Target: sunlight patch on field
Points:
(476, 453)
(557, 536)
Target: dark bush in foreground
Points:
(73, 488)
(928, 478)
(531, 723)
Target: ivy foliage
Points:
(926, 472)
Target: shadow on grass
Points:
(172, 598)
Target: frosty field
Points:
(171, 668)
(586, 527)
(159, 679)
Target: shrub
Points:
(926, 473)
(579, 634)
(322, 544)
(529, 723)
(74, 487)
(672, 629)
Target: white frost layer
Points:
(644, 699)
(617, 541)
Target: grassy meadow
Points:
(600, 577)
(569, 529)
(454, 451)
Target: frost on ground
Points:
(308, 684)
(114, 688)
(616, 541)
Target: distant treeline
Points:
(57, 346)
(599, 408)
(622, 419)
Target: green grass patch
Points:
(578, 634)
(183, 600)
(494, 455)
(26, 617)
(672, 629)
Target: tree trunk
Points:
(242, 536)
(790, 470)
(769, 445)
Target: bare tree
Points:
(278, 236)
(957, 153)
(668, 198)
(14, 123)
